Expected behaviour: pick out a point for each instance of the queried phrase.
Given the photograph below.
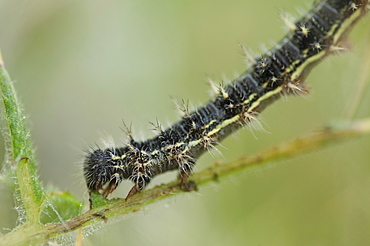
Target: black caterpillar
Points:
(280, 71)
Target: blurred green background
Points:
(81, 67)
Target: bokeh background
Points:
(81, 67)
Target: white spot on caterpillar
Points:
(353, 6)
(223, 92)
(274, 80)
(304, 30)
(317, 46)
(230, 105)
(262, 64)
(194, 125)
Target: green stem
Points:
(117, 207)
(20, 151)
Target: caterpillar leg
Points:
(185, 170)
(135, 189)
(183, 177)
(109, 189)
(141, 178)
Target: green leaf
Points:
(60, 206)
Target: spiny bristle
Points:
(274, 44)
(253, 121)
(249, 57)
(341, 46)
(184, 108)
(108, 142)
(217, 89)
(210, 143)
(288, 21)
(223, 92)
(157, 128)
(264, 49)
(295, 88)
(213, 85)
(301, 11)
(337, 49)
(127, 130)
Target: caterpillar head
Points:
(102, 171)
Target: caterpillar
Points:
(280, 71)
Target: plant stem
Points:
(118, 207)
(20, 151)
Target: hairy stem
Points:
(20, 151)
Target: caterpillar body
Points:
(278, 72)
